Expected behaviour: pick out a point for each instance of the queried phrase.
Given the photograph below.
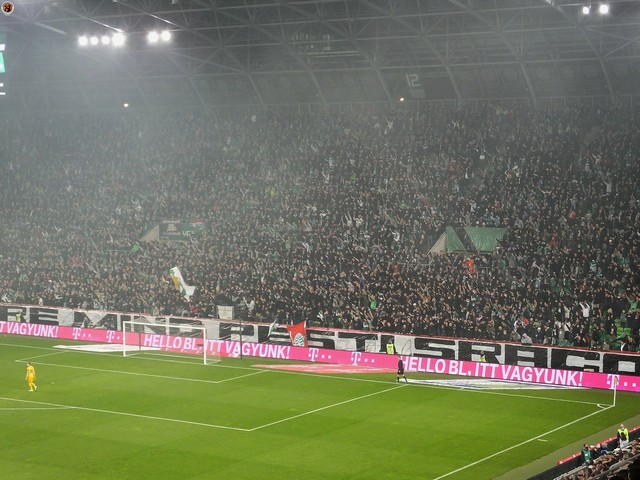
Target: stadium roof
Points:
(262, 52)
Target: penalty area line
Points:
(537, 437)
(31, 409)
(25, 360)
(241, 376)
(127, 414)
(138, 374)
(326, 407)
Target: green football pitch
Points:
(153, 416)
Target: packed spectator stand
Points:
(328, 215)
(607, 462)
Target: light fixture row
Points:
(118, 39)
(603, 9)
(154, 37)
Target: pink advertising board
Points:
(230, 348)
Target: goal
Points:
(139, 336)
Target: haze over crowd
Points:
(328, 216)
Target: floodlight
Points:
(586, 9)
(117, 39)
(152, 36)
(106, 40)
(83, 41)
(125, 105)
(3, 93)
(1, 47)
(604, 8)
(93, 40)
(165, 35)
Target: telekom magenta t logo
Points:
(356, 357)
(313, 354)
(76, 333)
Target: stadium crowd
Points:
(608, 462)
(329, 216)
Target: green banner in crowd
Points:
(179, 229)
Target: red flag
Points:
(298, 333)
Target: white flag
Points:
(185, 290)
(272, 327)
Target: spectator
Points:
(328, 217)
(623, 436)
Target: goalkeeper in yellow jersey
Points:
(31, 377)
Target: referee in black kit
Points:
(400, 372)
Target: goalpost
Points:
(140, 336)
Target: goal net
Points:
(140, 336)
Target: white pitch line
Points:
(324, 408)
(18, 345)
(241, 376)
(530, 397)
(50, 406)
(39, 356)
(30, 409)
(126, 414)
(150, 357)
(164, 377)
(521, 443)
